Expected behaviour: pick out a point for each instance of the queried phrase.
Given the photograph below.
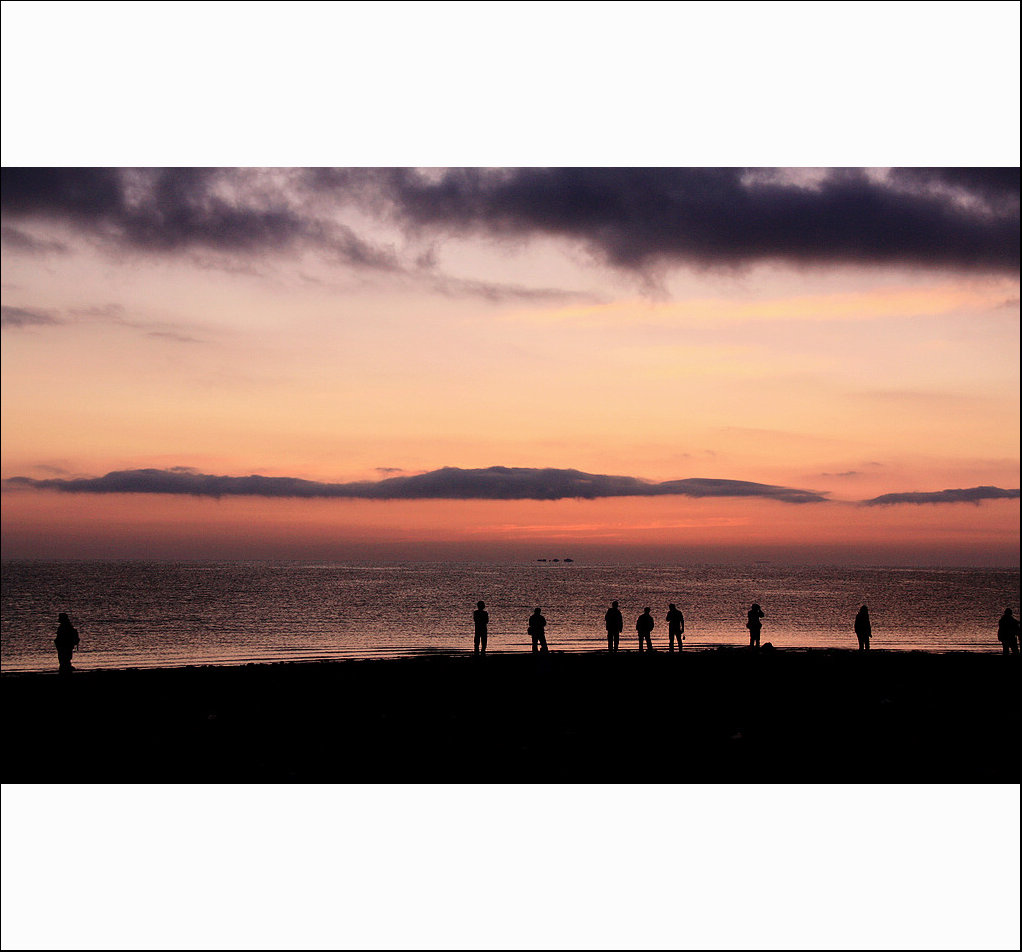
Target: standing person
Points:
(537, 624)
(675, 625)
(1007, 632)
(863, 629)
(754, 624)
(615, 625)
(66, 642)
(644, 625)
(481, 618)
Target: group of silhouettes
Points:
(644, 625)
(1007, 628)
(614, 622)
(67, 639)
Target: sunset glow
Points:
(337, 328)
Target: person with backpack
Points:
(1007, 632)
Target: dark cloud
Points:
(26, 317)
(975, 495)
(182, 209)
(85, 196)
(645, 218)
(496, 482)
(641, 220)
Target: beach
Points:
(706, 716)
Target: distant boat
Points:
(569, 560)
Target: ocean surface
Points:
(159, 614)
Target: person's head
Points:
(671, 606)
(480, 604)
(1007, 612)
(646, 610)
(864, 610)
(536, 612)
(613, 604)
(63, 619)
(755, 606)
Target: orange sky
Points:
(842, 378)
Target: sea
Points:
(137, 614)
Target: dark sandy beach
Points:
(708, 716)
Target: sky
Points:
(322, 362)
(702, 362)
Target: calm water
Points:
(152, 614)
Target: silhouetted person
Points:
(1007, 632)
(481, 618)
(644, 625)
(66, 642)
(675, 625)
(863, 629)
(615, 625)
(754, 624)
(537, 624)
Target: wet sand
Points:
(709, 716)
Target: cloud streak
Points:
(975, 495)
(113, 314)
(495, 482)
(18, 317)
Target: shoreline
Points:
(524, 650)
(705, 716)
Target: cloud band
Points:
(495, 482)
